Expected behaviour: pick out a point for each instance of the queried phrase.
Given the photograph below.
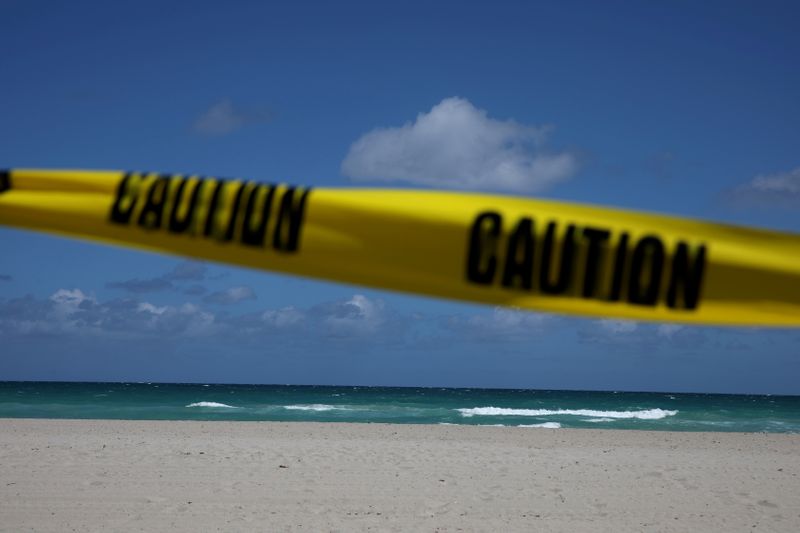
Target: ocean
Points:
(401, 405)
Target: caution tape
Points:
(532, 254)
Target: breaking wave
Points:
(212, 404)
(314, 407)
(645, 414)
(550, 425)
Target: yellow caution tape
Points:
(532, 254)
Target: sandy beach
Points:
(64, 475)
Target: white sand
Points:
(63, 475)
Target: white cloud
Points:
(186, 320)
(197, 322)
(669, 330)
(68, 301)
(504, 320)
(231, 296)
(457, 145)
(64, 311)
(618, 327)
(771, 189)
(73, 312)
(71, 298)
(357, 315)
(182, 272)
(146, 307)
(187, 271)
(283, 318)
(786, 182)
(223, 118)
(506, 324)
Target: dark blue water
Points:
(532, 408)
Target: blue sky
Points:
(676, 107)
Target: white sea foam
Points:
(314, 407)
(549, 425)
(645, 414)
(473, 425)
(604, 419)
(212, 404)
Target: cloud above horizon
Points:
(79, 314)
(503, 323)
(357, 316)
(71, 317)
(645, 336)
(140, 286)
(768, 190)
(223, 118)
(73, 312)
(232, 295)
(187, 271)
(456, 145)
(184, 271)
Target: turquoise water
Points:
(530, 408)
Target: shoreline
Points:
(188, 475)
(519, 427)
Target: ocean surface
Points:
(491, 407)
